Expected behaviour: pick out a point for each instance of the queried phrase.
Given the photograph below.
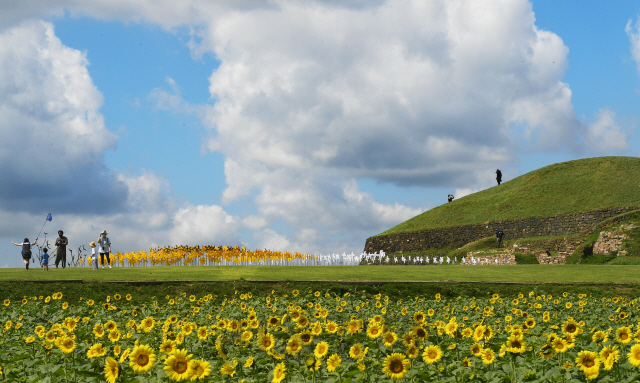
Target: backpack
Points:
(26, 250)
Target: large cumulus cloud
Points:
(52, 135)
(311, 96)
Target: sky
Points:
(294, 125)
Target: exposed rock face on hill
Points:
(458, 236)
(612, 241)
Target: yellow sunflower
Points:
(546, 351)
(142, 359)
(476, 349)
(571, 327)
(67, 345)
(516, 345)
(279, 373)
(125, 355)
(356, 352)
(374, 331)
(420, 333)
(333, 362)
(111, 370)
(306, 338)
(395, 366)
(266, 342)
(599, 337)
(321, 350)
(229, 368)
(432, 354)
(488, 356)
(273, 321)
(199, 369)
(634, 355)
(623, 335)
(450, 328)
(413, 351)
(331, 327)
(247, 335)
(114, 336)
(177, 365)
(203, 332)
(167, 346)
(610, 352)
(294, 345)
(587, 360)
(389, 338)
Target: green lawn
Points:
(517, 273)
(563, 188)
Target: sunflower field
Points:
(227, 256)
(316, 336)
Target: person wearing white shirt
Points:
(104, 248)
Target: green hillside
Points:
(563, 188)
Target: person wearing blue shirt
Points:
(45, 259)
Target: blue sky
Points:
(299, 126)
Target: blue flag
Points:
(45, 222)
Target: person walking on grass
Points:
(61, 252)
(498, 176)
(45, 259)
(26, 250)
(104, 248)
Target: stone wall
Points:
(486, 258)
(458, 236)
(555, 244)
(545, 259)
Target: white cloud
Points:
(255, 222)
(52, 135)
(203, 224)
(605, 135)
(270, 239)
(633, 32)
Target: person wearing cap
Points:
(61, 253)
(104, 248)
(94, 255)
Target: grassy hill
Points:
(563, 188)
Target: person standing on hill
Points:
(499, 235)
(498, 176)
(104, 248)
(61, 253)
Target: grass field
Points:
(563, 188)
(530, 274)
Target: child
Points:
(94, 256)
(45, 259)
